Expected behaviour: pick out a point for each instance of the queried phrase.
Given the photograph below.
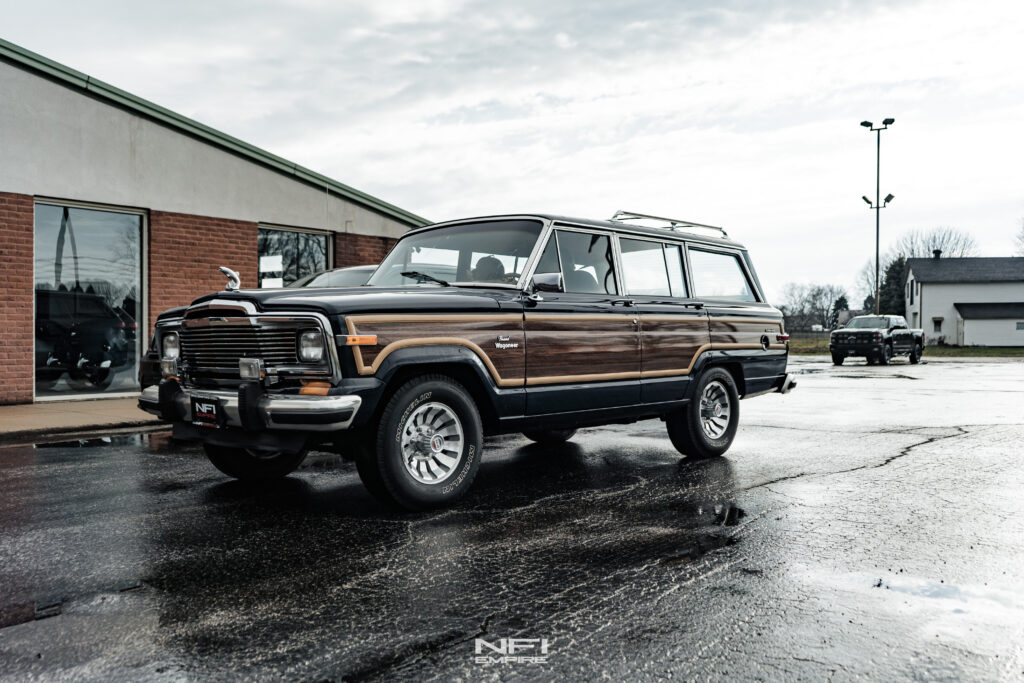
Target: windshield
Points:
(870, 322)
(473, 253)
(342, 277)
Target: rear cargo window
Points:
(718, 275)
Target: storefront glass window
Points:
(88, 289)
(287, 255)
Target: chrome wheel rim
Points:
(715, 410)
(432, 443)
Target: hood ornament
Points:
(233, 282)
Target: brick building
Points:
(113, 209)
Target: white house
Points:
(967, 301)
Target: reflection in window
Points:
(287, 255)
(486, 253)
(88, 284)
(674, 260)
(720, 276)
(588, 266)
(643, 267)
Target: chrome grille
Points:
(217, 348)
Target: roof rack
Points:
(674, 224)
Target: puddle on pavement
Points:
(97, 442)
(878, 376)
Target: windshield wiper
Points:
(424, 276)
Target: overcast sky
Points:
(741, 114)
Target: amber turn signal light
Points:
(361, 340)
(314, 388)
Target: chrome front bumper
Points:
(285, 412)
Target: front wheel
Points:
(550, 437)
(426, 450)
(253, 465)
(837, 359)
(915, 355)
(885, 356)
(706, 426)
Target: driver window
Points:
(588, 265)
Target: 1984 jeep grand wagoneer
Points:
(528, 323)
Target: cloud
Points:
(738, 113)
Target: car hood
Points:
(344, 300)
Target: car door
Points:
(902, 338)
(673, 326)
(582, 343)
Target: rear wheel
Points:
(706, 427)
(427, 445)
(915, 355)
(550, 437)
(837, 359)
(253, 465)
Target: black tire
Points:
(915, 355)
(250, 465)
(426, 405)
(685, 427)
(550, 437)
(886, 355)
(837, 359)
(870, 358)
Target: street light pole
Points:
(878, 205)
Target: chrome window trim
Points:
(738, 255)
(611, 235)
(527, 267)
(664, 243)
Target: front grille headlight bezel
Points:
(170, 346)
(310, 346)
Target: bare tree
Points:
(807, 305)
(953, 243)
(1020, 239)
(821, 300)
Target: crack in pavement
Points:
(961, 431)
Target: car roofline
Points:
(613, 226)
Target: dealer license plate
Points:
(207, 412)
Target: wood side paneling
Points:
(745, 332)
(479, 333)
(671, 343)
(568, 348)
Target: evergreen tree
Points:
(891, 297)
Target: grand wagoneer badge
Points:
(505, 342)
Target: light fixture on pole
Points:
(878, 205)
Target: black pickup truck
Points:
(878, 338)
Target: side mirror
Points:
(548, 282)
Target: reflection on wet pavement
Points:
(132, 557)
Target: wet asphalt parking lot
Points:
(868, 525)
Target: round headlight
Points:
(311, 346)
(171, 345)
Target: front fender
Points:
(461, 362)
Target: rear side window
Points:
(652, 268)
(719, 275)
(643, 268)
